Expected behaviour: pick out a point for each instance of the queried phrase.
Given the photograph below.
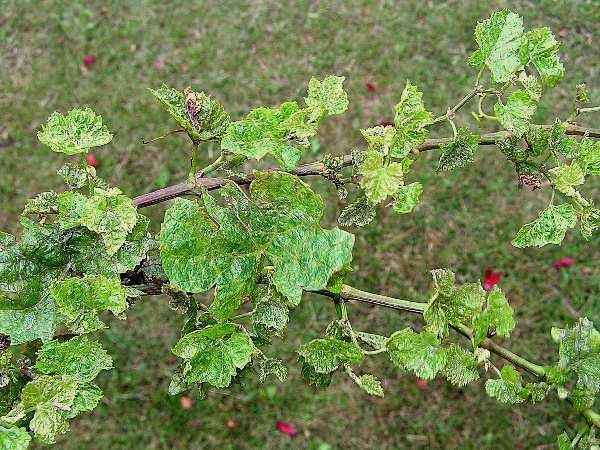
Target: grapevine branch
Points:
(317, 167)
(349, 293)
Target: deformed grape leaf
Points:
(281, 131)
(326, 355)
(566, 177)
(419, 352)
(516, 115)
(214, 354)
(271, 312)
(459, 152)
(549, 228)
(87, 398)
(461, 366)
(579, 354)
(358, 213)
(410, 120)
(81, 300)
(279, 222)
(589, 156)
(368, 383)
(197, 113)
(264, 131)
(379, 180)
(541, 48)
(500, 39)
(509, 388)
(327, 94)
(383, 139)
(407, 197)
(78, 358)
(497, 316)
(13, 437)
(450, 305)
(77, 132)
(107, 212)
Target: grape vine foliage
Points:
(254, 241)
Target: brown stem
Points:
(317, 167)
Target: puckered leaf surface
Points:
(451, 305)
(326, 355)
(82, 299)
(500, 39)
(549, 228)
(77, 132)
(419, 352)
(379, 180)
(497, 316)
(459, 152)
(214, 354)
(78, 358)
(198, 114)
(411, 120)
(205, 244)
(516, 115)
(541, 49)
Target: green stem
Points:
(462, 102)
(216, 164)
(350, 293)
(478, 78)
(592, 417)
(590, 109)
(241, 316)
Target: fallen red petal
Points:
(422, 384)
(286, 428)
(563, 262)
(370, 87)
(89, 60)
(491, 279)
(186, 402)
(91, 159)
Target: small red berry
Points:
(89, 60)
(91, 159)
(231, 424)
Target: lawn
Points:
(249, 54)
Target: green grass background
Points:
(249, 54)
